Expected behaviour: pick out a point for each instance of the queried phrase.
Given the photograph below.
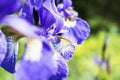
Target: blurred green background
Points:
(103, 18)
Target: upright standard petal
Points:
(27, 11)
(67, 3)
(47, 19)
(63, 8)
(3, 47)
(37, 63)
(10, 59)
(50, 5)
(30, 11)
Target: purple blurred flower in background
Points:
(51, 31)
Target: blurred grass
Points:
(82, 65)
(4, 75)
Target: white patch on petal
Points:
(69, 24)
(33, 51)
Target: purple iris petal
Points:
(67, 3)
(63, 8)
(36, 3)
(30, 11)
(10, 59)
(9, 7)
(37, 63)
(78, 32)
(67, 14)
(46, 11)
(27, 11)
(22, 26)
(64, 12)
(3, 47)
(65, 48)
(62, 70)
(50, 5)
(46, 18)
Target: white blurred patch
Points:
(33, 51)
(69, 24)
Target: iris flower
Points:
(43, 65)
(35, 34)
(51, 33)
